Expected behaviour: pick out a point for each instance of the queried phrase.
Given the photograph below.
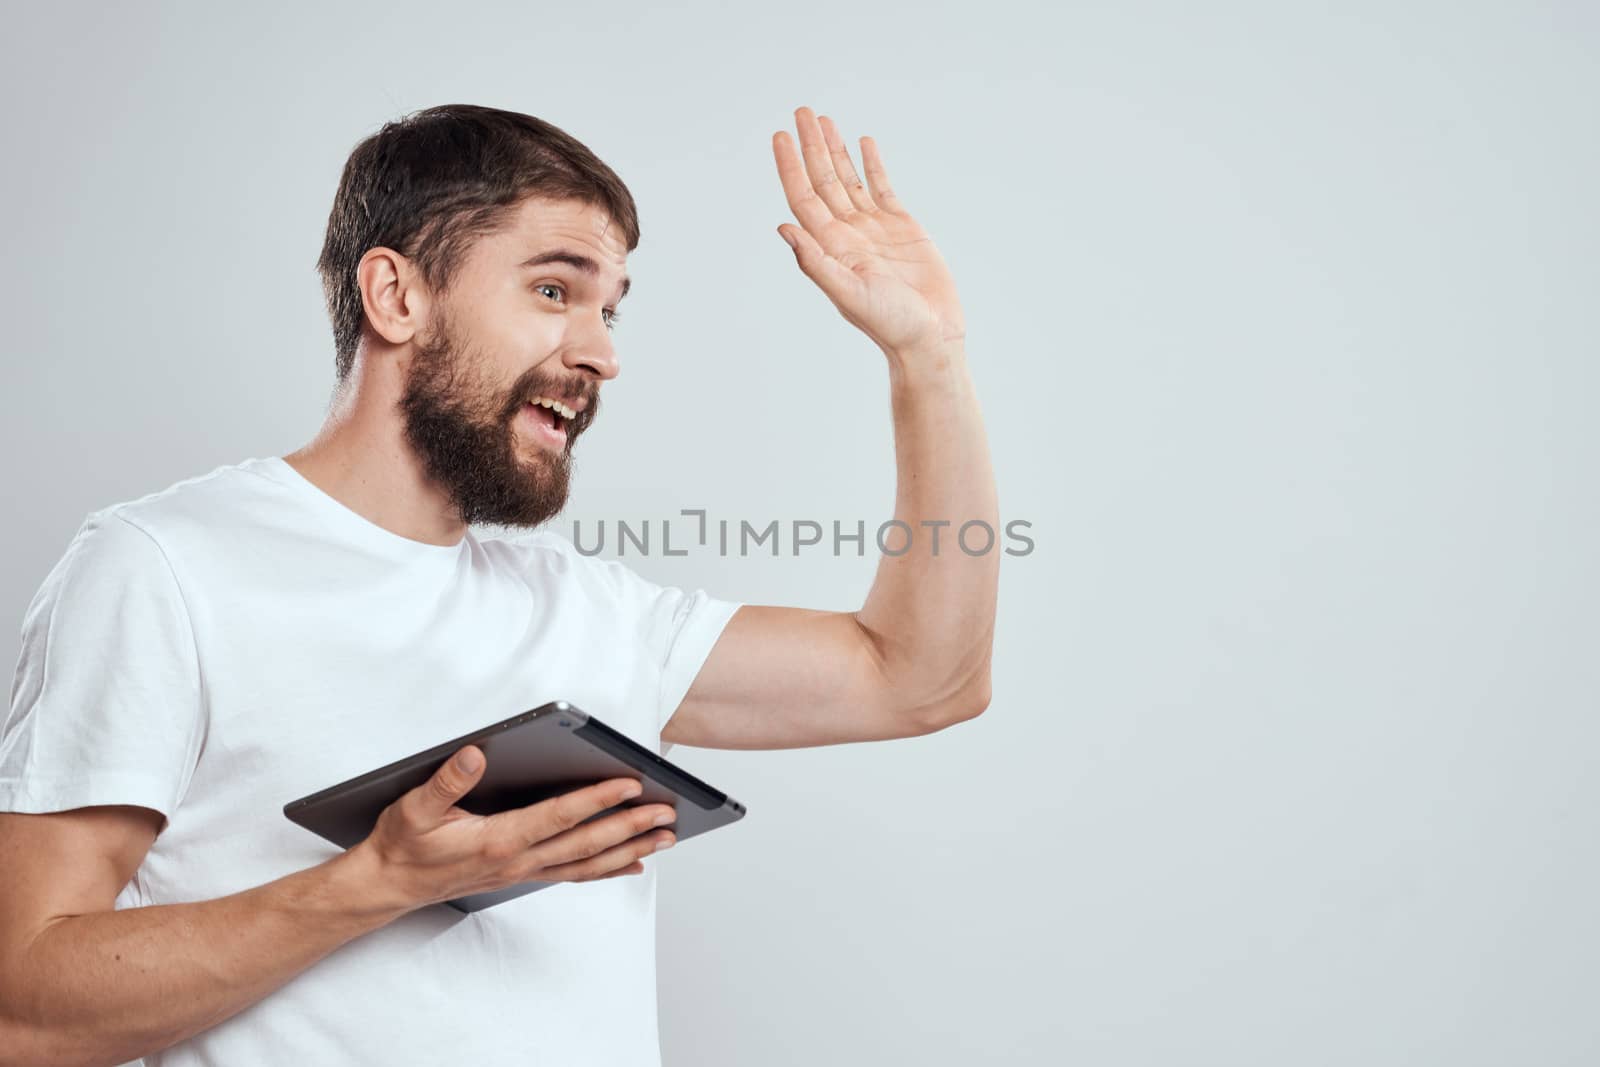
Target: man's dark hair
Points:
(430, 183)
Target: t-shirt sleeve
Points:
(697, 620)
(106, 703)
(679, 627)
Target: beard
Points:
(466, 436)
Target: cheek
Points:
(520, 334)
(509, 342)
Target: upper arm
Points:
(783, 677)
(65, 863)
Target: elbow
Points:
(979, 689)
(965, 703)
(935, 690)
(977, 695)
(982, 695)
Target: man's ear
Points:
(393, 294)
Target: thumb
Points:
(838, 282)
(452, 781)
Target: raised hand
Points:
(860, 245)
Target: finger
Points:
(448, 784)
(840, 283)
(854, 188)
(803, 200)
(878, 178)
(635, 868)
(534, 823)
(601, 863)
(819, 165)
(590, 838)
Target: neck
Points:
(361, 458)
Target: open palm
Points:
(860, 245)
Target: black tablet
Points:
(553, 749)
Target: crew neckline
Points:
(283, 472)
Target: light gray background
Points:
(1283, 320)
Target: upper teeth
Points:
(555, 405)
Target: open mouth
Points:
(549, 423)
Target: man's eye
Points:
(613, 317)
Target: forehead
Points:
(542, 225)
(559, 236)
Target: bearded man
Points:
(202, 654)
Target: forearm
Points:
(931, 610)
(110, 986)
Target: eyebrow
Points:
(573, 259)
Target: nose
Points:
(595, 354)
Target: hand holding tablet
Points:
(555, 796)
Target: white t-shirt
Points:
(241, 639)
